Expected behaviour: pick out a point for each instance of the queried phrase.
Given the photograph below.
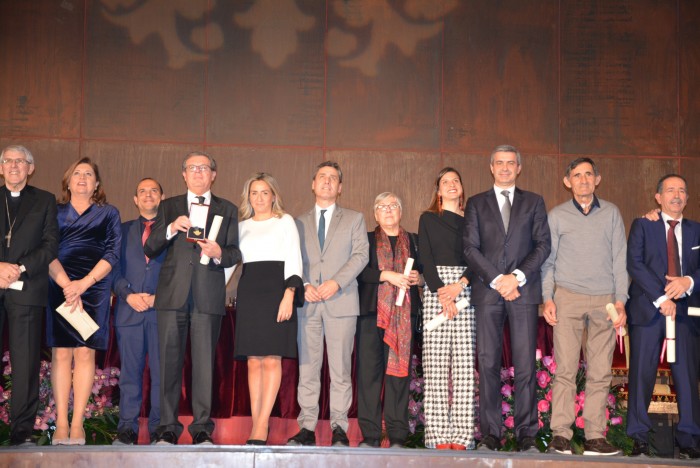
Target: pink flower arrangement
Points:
(543, 406)
(509, 422)
(99, 404)
(580, 423)
(543, 378)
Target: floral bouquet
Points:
(101, 416)
(546, 367)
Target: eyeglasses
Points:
(392, 207)
(19, 162)
(198, 168)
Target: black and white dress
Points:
(271, 263)
(448, 351)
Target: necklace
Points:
(8, 237)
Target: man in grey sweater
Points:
(585, 271)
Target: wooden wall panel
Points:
(690, 169)
(619, 77)
(123, 165)
(266, 82)
(366, 174)
(293, 169)
(40, 63)
(689, 78)
(144, 79)
(384, 71)
(500, 75)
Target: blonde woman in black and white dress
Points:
(269, 290)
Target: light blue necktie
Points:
(322, 228)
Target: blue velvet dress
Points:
(85, 240)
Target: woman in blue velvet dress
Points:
(80, 276)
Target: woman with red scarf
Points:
(384, 330)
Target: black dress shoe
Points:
(528, 444)
(167, 438)
(255, 442)
(689, 453)
(153, 438)
(489, 443)
(22, 440)
(340, 438)
(369, 443)
(640, 448)
(303, 437)
(202, 438)
(126, 437)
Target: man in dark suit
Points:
(663, 263)
(506, 240)
(191, 296)
(134, 284)
(334, 251)
(29, 243)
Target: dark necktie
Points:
(674, 261)
(147, 226)
(200, 199)
(322, 228)
(505, 210)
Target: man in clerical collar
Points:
(586, 270)
(29, 230)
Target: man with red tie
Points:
(663, 263)
(134, 284)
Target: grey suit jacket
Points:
(345, 254)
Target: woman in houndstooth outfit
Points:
(448, 351)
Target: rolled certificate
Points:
(612, 313)
(670, 340)
(692, 311)
(213, 232)
(406, 272)
(441, 318)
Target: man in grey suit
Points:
(334, 251)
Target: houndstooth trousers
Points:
(449, 352)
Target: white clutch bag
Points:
(80, 320)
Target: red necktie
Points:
(146, 232)
(674, 261)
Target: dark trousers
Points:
(26, 323)
(173, 326)
(490, 320)
(135, 343)
(645, 348)
(372, 356)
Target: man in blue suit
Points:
(135, 283)
(663, 263)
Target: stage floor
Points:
(188, 456)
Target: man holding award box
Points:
(191, 293)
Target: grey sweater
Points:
(588, 252)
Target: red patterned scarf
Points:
(396, 321)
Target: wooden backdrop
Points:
(392, 89)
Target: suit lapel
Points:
(3, 220)
(135, 234)
(492, 204)
(310, 225)
(25, 205)
(688, 241)
(659, 232)
(337, 216)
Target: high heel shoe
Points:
(255, 442)
(77, 440)
(62, 440)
